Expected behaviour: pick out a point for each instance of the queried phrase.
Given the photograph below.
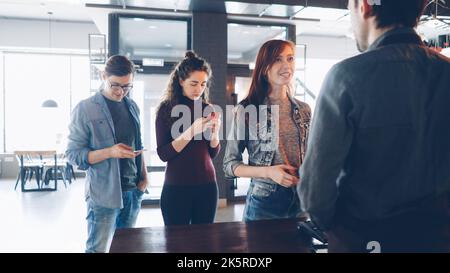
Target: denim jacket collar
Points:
(294, 105)
(99, 99)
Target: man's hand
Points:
(121, 151)
(142, 186)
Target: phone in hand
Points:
(139, 151)
(211, 115)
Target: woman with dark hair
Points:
(189, 194)
(105, 140)
(276, 149)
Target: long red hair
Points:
(259, 88)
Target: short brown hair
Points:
(404, 13)
(118, 65)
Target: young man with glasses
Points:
(105, 140)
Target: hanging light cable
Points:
(50, 29)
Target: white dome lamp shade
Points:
(49, 104)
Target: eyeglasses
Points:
(117, 87)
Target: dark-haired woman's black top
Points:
(193, 165)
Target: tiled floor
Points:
(55, 221)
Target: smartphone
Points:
(311, 229)
(138, 151)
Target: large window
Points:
(31, 79)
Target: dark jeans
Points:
(183, 205)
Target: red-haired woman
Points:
(275, 139)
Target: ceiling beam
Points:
(338, 4)
(219, 5)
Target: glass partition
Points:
(245, 40)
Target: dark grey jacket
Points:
(380, 135)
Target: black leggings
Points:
(183, 205)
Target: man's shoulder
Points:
(356, 63)
(394, 54)
(83, 103)
(358, 68)
(87, 105)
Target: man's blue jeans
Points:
(271, 201)
(102, 222)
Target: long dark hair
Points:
(183, 70)
(266, 57)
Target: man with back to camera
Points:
(105, 140)
(377, 169)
